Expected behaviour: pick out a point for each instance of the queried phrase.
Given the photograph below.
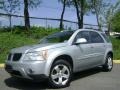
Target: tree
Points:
(29, 4)
(65, 3)
(26, 15)
(77, 12)
(109, 13)
(80, 6)
(81, 9)
(97, 7)
(115, 22)
(10, 7)
(1, 7)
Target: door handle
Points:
(92, 47)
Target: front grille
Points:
(14, 56)
(9, 57)
(17, 56)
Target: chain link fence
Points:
(18, 20)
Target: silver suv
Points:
(61, 54)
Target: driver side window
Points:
(83, 34)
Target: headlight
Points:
(42, 55)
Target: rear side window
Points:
(96, 38)
(106, 37)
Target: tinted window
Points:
(96, 38)
(83, 34)
(57, 37)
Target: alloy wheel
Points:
(60, 74)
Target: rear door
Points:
(98, 47)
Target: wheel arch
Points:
(105, 55)
(110, 53)
(66, 57)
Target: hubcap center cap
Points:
(60, 74)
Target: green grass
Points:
(116, 48)
(10, 40)
(18, 38)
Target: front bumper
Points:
(34, 70)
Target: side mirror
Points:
(80, 41)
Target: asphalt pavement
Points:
(93, 79)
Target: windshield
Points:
(57, 37)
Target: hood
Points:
(37, 47)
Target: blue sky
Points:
(52, 9)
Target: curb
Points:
(114, 61)
(2, 65)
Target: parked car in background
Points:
(115, 34)
(61, 54)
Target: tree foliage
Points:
(34, 3)
(109, 13)
(115, 22)
(97, 7)
(10, 7)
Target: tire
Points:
(60, 74)
(108, 64)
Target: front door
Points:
(83, 52)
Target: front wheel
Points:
(60, 74)
(109, 63)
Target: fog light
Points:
(30, 71)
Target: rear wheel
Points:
(109, 63)
(60, 74)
